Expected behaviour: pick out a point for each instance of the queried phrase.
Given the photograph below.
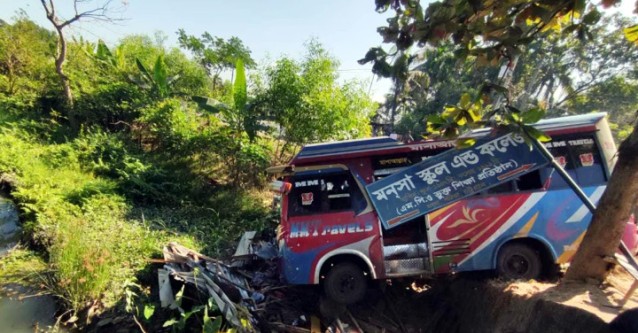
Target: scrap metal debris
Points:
(250, 294)
(229, 290)
(247, 290)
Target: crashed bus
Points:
(331, 233)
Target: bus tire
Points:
(519, 261)
(345, 283)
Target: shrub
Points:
(112, 106)
(167, 125)
(252, 161)
(217, 229)
(92, 245)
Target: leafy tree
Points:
(124, 62)
(618, 96)
(24, 48)
(237, 142)
(558, 68)
(496, 32)
(552, 71)
(242, 113)
(430, 85)
(216, 54)
(304, 98)
(114, 84)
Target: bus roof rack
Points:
(553, 123)
(371, 144)
(347, 146)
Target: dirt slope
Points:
(475, 306)
(466, 305)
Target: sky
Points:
(270, 28)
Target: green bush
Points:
(110, 155)
(112, 106)
(217, 229)
(92, 244)
(167, 125)
(252, 161)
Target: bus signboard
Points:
(451, 176)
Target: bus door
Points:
(406, 249)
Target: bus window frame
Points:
(353, 186)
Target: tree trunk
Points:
(395, 105)
(608, 223)
(60, 58)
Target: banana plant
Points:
(242, 115)
(156, 80)
(102, 53)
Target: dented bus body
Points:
(330, 233)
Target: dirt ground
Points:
(602, 300)
(488, 305)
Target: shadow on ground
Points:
(463, 305)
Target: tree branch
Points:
(99, 13)
(583, 87)
(48, 9)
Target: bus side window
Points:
(529, 181)
(580, 157)
(551, 179)
(589, 167)
(324, 194)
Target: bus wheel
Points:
(345, 283)
(519, 261)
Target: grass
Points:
(91, 245)
(216, 226)
(22, 266)
(91, 238)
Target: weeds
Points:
(208, 324)
(135, 303)
(91, 246)
(22, 266)
(95, 238)
(216, 230)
